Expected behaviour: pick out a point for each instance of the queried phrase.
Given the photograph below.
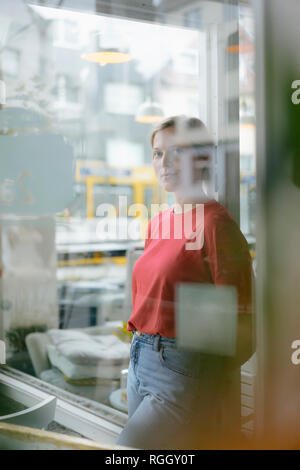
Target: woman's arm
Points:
(230, 264)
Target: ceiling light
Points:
(240, 42)
(149, 112)
(109, 56)
(107, 49)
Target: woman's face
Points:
(166, 159)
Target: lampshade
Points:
(109, 47)
(108, 56)
(239, 43)
(149, 112)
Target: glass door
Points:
(83, 84)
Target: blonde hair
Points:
(174, 121)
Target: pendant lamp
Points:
(107, 50)
(107, 56)
(149, 112)
(239, 43)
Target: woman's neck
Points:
(183, 204)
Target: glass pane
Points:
(84, 259)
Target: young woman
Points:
(174, 394)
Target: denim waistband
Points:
(156, 340)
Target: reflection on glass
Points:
(77, 276)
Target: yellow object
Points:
(97, 172)
(148, 119)
(140, 179)
(240, 48)
(107, 57)
(119, 260)
(123, 334)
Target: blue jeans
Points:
(172, 395)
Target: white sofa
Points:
(84, 361)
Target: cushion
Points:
(82, 348)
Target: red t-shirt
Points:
(201, 245)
